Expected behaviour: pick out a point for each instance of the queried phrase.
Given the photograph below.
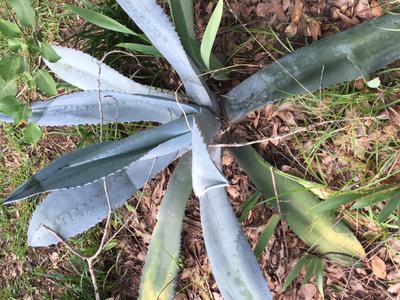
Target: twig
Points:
(279, 210)
(357, 262)
(180, 106)
(91, 260)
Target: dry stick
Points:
(279, 210)
(99, 89)
(180, 106)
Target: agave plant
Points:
(78, 200)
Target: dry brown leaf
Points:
(378, 267)
(394, 114)
(314, 28)
(363, 10)
(394, 289)
(297, 12)
(376, 9)
(308, 291)
(227, 158)
(274, 7)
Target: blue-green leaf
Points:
(163, 36)
(70, 212)
(98, 161)
(85, 74)
(162, 259)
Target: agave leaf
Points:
(95, 162)
(233, 263)
(389, 207)
(162, 259)
(164, 38)
(353, 53)
(206, 175)
(182, 14)
(318, 230)
(82, 108)
(73, 211)
(82, 70)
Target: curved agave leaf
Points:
(162, 259)
(74, 211)
(92, 163)
(82, 70)
(206, 175)
(353, 53)
(318, 230)
(82, 108)
(164, 38)
(233, 263)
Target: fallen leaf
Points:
(378, 267)
(308, 291)
(297, 12)
(376, 9)
(394, 289)
(363, 10)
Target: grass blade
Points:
(100, 20)
(390, 206)
(246, 207)
(266, 235)
(296, 270)
(145, 49)
(211, 33)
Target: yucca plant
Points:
(82, 183)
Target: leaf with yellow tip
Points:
(319, 230)
(162, 260)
